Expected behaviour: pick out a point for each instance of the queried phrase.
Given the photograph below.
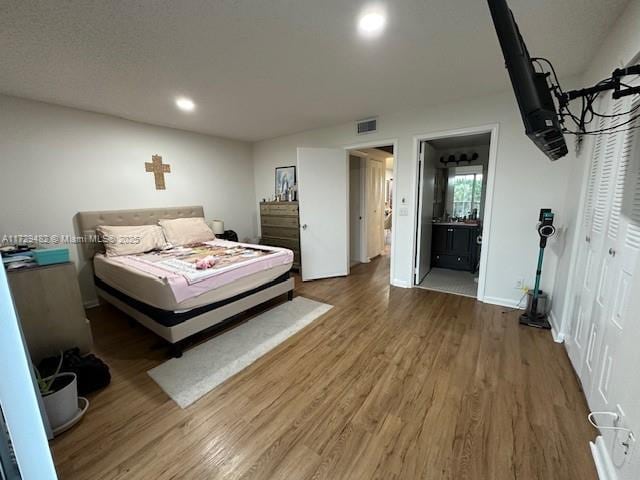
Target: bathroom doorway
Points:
(454, 178)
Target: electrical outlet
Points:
(404, 211)
(519, 284)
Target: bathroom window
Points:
(467, 193)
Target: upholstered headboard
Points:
(87, 222)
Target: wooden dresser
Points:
(50, 309)
(280, 227)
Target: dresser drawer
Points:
(279, 221)
(291, 244)
(286, 209)
(281, 232)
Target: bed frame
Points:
(178, 336)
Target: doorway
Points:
(455, 176)
(370, 202)
(324, 194)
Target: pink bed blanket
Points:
(231, 261)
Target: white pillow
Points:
(130, 239)
(183, 231)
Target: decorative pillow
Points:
(182, 231)
(128, 240)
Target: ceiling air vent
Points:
(368, 125)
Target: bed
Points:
(149, 300)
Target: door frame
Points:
(493, 129)
(394, 217)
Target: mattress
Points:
(153, 291)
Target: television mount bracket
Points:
(611, 84)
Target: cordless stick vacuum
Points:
(531, 316)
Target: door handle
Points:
(587, 239)
(304, 227)
(612, 252)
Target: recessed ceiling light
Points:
(185, 104)
(371, 23)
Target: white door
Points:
(581, 332)
(357, 239)
(595, 300)
(426, 175)
(324, 205)
(375, 207)
(621, 247)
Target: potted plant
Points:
(59, 395)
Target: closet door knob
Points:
(304, 227)
(587, 239)
(612, 252)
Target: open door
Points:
(324, 205)
(426, 175)
(374, 207)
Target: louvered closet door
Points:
(622, 244)
(583, 291)
(600, 263)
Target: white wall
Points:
(525, 182)
(56, 161)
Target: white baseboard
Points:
(503, 302)
(604, 465)
(401, 283)
(557, 336)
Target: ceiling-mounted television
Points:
(532, 91)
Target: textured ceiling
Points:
(263, 68)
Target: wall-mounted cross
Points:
(159, 169)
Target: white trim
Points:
(604, 465)
(492, 129)
(503, 302)
(558, 336)
(394, 217)
(396, 282)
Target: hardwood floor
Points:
(391, 384)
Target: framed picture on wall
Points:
(285, 179)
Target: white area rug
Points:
(204, 367)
